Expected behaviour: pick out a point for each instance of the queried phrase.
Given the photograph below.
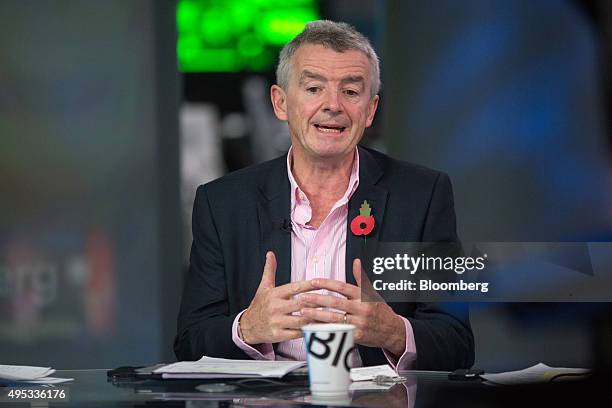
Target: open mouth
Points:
(330, 128)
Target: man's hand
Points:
(269, 317)
(376, 324)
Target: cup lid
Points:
(328, 327)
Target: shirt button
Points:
(302, 196)
(315, 259)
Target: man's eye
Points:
(312, 89)
(350, 92)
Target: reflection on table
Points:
(93, 388)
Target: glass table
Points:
(92, 388)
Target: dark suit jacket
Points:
(239, 217)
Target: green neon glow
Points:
(215, 27)
(186, 15)
(250, 45)
(211, 60)
(242, 15)
(279, 27)
(236, 35)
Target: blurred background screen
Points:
(80, 231)
(235, 35)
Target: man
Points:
(272, 248)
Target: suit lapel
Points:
(369, 174)
(274, 219)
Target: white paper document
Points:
(369, 373)
(24, 373)
(209, 367)
(369, 386)
(536, 374)
(49, 380)
(30, 374)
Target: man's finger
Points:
(268, 278)
(290, 306)
(295, 322)
(291, 289)
(368, 294)
(361, 278)
(330, 301)
(343, 288)
(289, 334)
(323, 316)
(357, 271)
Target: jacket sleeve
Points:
(442, 331)
(204, 321)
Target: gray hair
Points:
(340, 37)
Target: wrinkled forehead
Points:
(323, 63)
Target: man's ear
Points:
(372, 110)
(279, 102)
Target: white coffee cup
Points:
(329, 354)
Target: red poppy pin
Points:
(363, 224)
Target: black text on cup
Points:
(327, 349)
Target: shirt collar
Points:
(297, 193)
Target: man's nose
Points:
(332, 102)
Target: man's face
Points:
(328, 102)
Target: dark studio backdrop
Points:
(90, 243)
(103, 142)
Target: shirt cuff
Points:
(263, 351)
(406, 360)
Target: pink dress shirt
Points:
(319, 253)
